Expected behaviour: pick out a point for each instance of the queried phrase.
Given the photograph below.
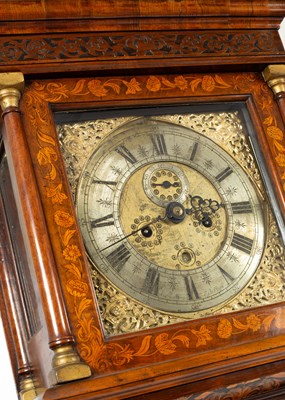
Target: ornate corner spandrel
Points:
(11, 88)
(274, 76)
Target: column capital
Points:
(11, 88)
(274, 76)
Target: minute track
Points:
(173, 215)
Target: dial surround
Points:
(180, 267)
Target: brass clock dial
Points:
(164, 211)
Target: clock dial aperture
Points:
(169, 217)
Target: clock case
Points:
(50, 313)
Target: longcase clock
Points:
(142, 201)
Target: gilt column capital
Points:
(11, 88)
(274, 76)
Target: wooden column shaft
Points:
(280, 99)
(32, 222)
(12, 301)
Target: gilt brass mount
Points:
(11, 88)
(274, 75)
(67, 366)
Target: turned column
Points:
(27, 383)
(66, 363)
(274, 76)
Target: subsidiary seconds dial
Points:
(169, 217)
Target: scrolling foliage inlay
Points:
(177, 340)
(131, 45)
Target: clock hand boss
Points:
(175, 212)
(159, 218)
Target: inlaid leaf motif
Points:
(114, 86)
(279, 146)
(45, 138)
(183, 339)
(97, 88)
(280, 159)
(122, 355)
(56, 194)
(46, 155)
(239, 325)
(67, 236)
(51, 175)
(73, 269)
(82, 306)
(167, 83)
(274, 132)
(268, 121)
(195, 83)
(79, 87)
(266, 323)
(57, 91)
(221, 81)
(145, 345)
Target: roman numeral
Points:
(151, 281)
(224, 174)
(108, 183)
(242, 207)
(194, 151)
(119, 257)
(226, 275)
(124, 152)
(191, 288)
(104, 221)
(159, 144)
(242, 243)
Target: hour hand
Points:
(203, 209)
(205, 205)
(166, 184)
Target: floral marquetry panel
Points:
(188, 339)
(131, 45)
